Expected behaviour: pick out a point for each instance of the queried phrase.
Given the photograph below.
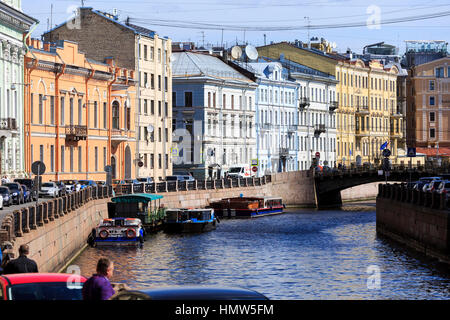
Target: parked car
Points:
(16, 192)
(424, 181)
(1, 203)
(72, 185)
(117, 182)
(132, 181)
(62, 188)
(444, 188)
(432, 186)
(49, 189)
(180, 178)
(41, 286)
(145, 180)
(87, 183)
(190, 293)
(30, 185)
(6, 196)
(27, 196)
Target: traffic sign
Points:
(38, 167)
(317, 154)
(411, 152)
(140, 164)
(254, 169)
(386, 153)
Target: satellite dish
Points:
(236, 52)
(251, 52)
(150, 128)
(334, 45)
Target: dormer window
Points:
(276, 75)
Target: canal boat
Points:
(189, 220)
(247, 207)
(119, 231)
(144, 206)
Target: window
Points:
(159, 161)
(52, 111)
(71, 159)
(145, 52)
(188, 99)
(152, 81)
(52, 158)
(115, 115)
(71, 111)
(432, 117)
(152, 53)
(159, 82)
(62, 159)
(95, 114)
(432, 102)
(80, 160)
(174, 99)
(439, 72)
(432, 133)
(41, 108)
(80, 112)
(96, 158)
(105, 115)
(431, 85)
(41, 153)
(159, 108)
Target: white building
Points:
(213, 115)
(276, 118)
(14, 25)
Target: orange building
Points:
(79, 113)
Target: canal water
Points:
(302, 254)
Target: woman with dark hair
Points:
(98, 286)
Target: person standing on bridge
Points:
(98, 286)
(22, 264)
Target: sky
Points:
(257, 22)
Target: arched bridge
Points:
(328, 185)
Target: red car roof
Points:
(20, 278)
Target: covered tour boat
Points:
(189, 220)
(247, 207)
(118, 231)
(143, 206)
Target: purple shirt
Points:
(97, 287)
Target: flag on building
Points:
(384, 145)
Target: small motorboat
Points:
(189, 220)
(118, 231)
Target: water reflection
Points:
(302, 254)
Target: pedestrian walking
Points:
(22, 264)
(98, 286)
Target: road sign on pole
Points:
(411, 152)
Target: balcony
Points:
(304, 102)
(293, 128)
(362, 110)
(319, 129)
(283, 151)
(396, 113)
(119, 135)
(333, 106)
(8, 124)
(266, 126)
(76, 133)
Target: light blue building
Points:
(213, 115)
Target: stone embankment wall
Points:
(420, 220)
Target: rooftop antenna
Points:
(264, 39)
(82, 3)
(309, 41)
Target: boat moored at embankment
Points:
(247, 207)
(118, 231)
(190, 220)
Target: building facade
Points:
(365, 97)
(213, 115)
(79, 114)
(430, 104)
(14, 25)
(100, 35)
(276, 118)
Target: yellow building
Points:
(367, 116)
(79, 113)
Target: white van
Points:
(240, 171)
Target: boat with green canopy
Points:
(144, 206)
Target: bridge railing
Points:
(400, 192)
(394, 169)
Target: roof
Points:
(433, 152)
(137, 197)
(191, 64)
(20, 278)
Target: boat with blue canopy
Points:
(189, 220)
